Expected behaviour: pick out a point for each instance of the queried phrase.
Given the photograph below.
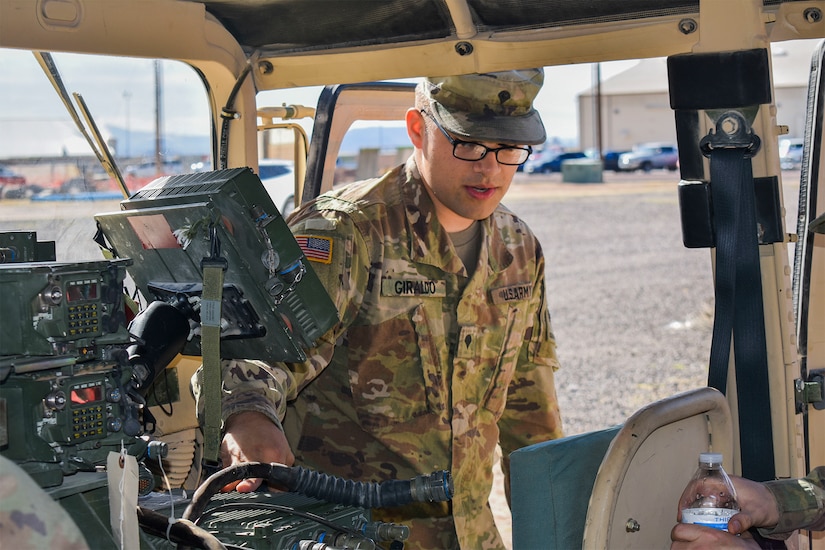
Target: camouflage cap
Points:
(495, 107)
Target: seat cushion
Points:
(550, 485)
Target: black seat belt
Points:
(738, 289)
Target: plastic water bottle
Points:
(709, 498)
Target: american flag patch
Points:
(317, 249)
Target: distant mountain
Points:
(380, 137)
(142, 144)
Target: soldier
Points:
(29, 518)
(776, 507)
(444, 348)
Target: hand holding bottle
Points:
(709, 498)
(758, 506)
(758, 509)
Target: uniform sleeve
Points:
(266, 388)
(532, 411)
(248, 385)
(801, 503)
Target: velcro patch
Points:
(414, 287)
(512, 293)
(316, 249)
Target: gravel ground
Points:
(630, 304)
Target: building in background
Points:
(636, 107)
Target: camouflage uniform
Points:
(428, 369)
(801, 503)
(29, 518)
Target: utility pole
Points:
(158, 119)
(127, 150)
(597, 77)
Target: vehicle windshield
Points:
(152, 115)
(603, 243)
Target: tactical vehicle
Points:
(77, 387)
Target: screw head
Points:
(632, 526)
(812, 15)
(463, 48)
(265, 67)
(688, 26)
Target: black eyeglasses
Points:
(472, 151)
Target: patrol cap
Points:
(495, 107)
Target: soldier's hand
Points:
(698, 537)
(252, 437)
(758, 506)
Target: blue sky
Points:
(120, 93)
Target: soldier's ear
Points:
(416, 128)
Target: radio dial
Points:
(56, 401)
(114, 424)
(53, 295)
(113, 395)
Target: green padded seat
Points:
(550, 485)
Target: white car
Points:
(278, 177)
(648, 156)
(790, 153)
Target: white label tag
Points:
(211, 313)
(122, 473)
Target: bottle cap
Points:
(710, 458)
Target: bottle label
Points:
(709, 517)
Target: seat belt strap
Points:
(739, 313)
(213, 273)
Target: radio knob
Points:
(113, 395)
(114, 424)
(52, 295)
(56, 401)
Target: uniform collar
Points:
(429, 243)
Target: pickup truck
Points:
(649, 156)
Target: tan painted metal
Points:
(646, 467)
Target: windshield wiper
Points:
(95, 140)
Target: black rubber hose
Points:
(434, 487)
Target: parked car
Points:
(12, 184)
(10, 177)
(548, 162)
(611, 160)
(649, 156)
(149, 169)
(278, 177)
(790, 153)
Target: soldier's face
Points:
(463, 191)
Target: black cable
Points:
(228, 113)
(181, 531)
(168, 395)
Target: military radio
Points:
(64, 398)
(273, 306)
